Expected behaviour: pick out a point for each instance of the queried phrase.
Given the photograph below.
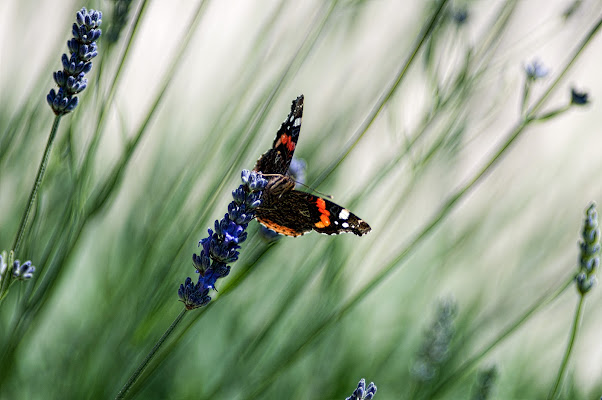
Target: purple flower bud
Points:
(82, 48)
(221, 246)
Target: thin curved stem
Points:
(32, 198)
(149, 357)
(36, 185)
(444, 211)
(105, 105)
(116, 176)
(573, 57)
(520, 321)
(387, 94)
(93, 205)
(569, 349)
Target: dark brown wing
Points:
(278, 158)
(293, 213)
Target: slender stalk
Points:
(32, 198)
(225, 290)
(30, 107)
(9, 274)
(117, 174)
(386, 96)
(36, 185)
(468, 366)
(446, 208)
(92, 206)
(569, 349)
(572, 58)
(149, 357)
(105, 105)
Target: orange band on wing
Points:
(287, 141)
(283, 230)
(322, 206)
(324, 220)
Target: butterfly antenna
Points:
(328, 196)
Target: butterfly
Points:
(292, 212)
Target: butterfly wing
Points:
(291, 212)
(278, 158)
(294, 213)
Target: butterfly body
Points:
(291, 212)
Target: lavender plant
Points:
(411, 144)
(82, 49)
(119, 20)
(485, 382)
(585, 279)
(363, 393)
(220, 248)
(435, 347)
(71, 81)
(20, 271)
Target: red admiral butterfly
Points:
(291, 212)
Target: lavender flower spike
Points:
(23, 271)
(363, 393)
(20, 271)
(589, 258)
(536, 70)
(82, 48)
(220, 248)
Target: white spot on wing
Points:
(344, 214)
(345, 225)
(297, 122)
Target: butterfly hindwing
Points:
(294, 213)
(278, 158)
(332, 219)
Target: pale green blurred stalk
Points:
(435, 221)
(569, 348)
(30, 203)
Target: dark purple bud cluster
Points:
(363, 393)
(220, 248)
(21, 272)
(83, 49)
(589, 257)
(579, 98)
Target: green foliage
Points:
(419, 116)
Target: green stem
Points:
(569, 349)
(105, 105)
(36, 185)
(435, 221)
(386, 96)
(150, 356)
(32, 198)
(525, 100)
(92, 206)
(114, 179)
(468, 366)
(7, 277)
(572, 59)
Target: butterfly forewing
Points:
(294, 213)
(278, 158)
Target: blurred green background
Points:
(185, 94)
